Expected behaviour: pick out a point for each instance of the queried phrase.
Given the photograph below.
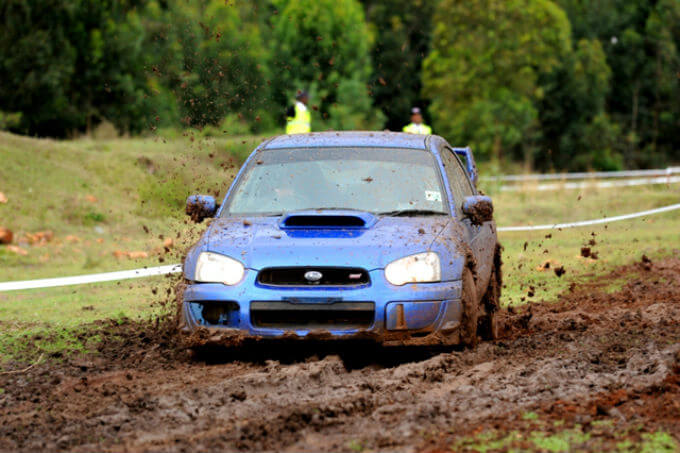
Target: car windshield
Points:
(377, 180)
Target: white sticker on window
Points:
(433, 195)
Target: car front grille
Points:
(313, 276)
(331, 316)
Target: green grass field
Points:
(615, 244)
(105, 199)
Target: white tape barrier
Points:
(592, 184)
(91, 278)
(560, 226)
(177, 268)
(584, 175)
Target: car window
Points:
(465, 183)
(463, 162)
(458, 179)
(375, 180)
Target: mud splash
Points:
(569, 360)
(481, 212)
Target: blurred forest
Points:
(554, 84)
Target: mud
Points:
(6, 236)
(481, 212)
(588, 356)
(197, 212)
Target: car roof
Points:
(349, 139)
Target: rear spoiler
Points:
(468, 160)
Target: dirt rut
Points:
(300, 397)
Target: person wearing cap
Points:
(298, 117)
(417, 126)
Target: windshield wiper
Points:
(412, 213)
(279, 214)
(331, 209)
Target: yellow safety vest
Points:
(301, 123)
(421, 128)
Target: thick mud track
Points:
(590, 354)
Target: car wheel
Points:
(180, 286)
(468, 323)
(488, 323)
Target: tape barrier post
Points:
(177, 268)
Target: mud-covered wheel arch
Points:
(490, 304)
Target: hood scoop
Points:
(327, 220)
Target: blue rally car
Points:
(352, 235)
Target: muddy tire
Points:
(468, 323)
(487, 327)
(180, 287)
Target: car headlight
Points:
(216, 268)
(420, 268)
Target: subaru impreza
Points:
(341, 235)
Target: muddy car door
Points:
(481, 237)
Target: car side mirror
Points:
(200, 207)
(478, 209)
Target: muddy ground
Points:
(591, 356)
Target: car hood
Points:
(260, 242)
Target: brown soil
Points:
(589, 356)
(196, 212)
(6, 236)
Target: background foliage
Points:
(555, 84)
(484, 68)
(323, 46)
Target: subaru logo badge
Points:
(313, 276)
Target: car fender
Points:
(453, 250)
(192, 256)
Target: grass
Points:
(70, 306)
(575, 438)
(102, 199)
(615, 243)
(60, 314)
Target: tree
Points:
(66, 64)
(402, 30)
(641, 40)
(576, 132)
(212, 58)
(323, 46)
(482, 74)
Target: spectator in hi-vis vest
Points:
(298, 118)
(417, 126)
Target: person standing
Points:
(298, 117)
(417, 126)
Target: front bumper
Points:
(423, 313)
